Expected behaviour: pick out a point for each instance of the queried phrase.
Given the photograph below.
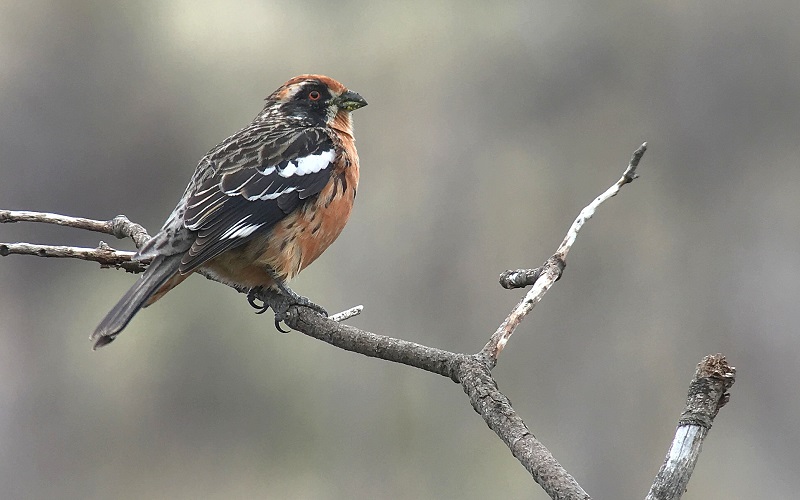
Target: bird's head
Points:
(317, 100)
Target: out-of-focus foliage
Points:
(489, 127)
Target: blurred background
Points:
(489, 127)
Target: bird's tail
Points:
(160, 270)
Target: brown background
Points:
(488, 129)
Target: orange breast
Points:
(299, 239)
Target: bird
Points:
(261, 206)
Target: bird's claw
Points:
(252, 299)
(278, 325)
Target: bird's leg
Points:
(296, 299)
(281, 299)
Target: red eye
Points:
(314, 95)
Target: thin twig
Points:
(119, 226)
(627, 177)
(347, 314)
(104, 255)
(551, 271)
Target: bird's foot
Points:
(280, 301)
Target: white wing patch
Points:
(310, 164)
(240, 230)
(299, 167)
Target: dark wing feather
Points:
(255, 184)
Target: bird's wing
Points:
(253, 182)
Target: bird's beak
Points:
(349, 101)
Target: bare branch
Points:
(119, 226)
(708, 392)
(350, 338)
(627, 177)
(548, 274)
(103, 254)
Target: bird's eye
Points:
(314, 95)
